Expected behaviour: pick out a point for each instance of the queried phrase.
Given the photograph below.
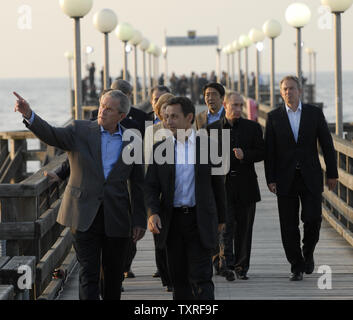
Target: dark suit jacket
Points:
(250, 140)
(283, 153)
(201, 119)
(209, 194)
(87, 187)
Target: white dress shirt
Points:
(294, 119)
(184, 194)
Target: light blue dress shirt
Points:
(184, 193)
(214, 117)
(111, 145)
(294, 119)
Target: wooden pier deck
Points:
(269, 269)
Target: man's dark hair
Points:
(186, 105)
(123, 86)
(160, 88)
(214, 85)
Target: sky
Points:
(36, 33)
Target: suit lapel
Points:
(303, 124)
(285, 119)
(96, 145)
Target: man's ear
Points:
(190, 117)
(123, 116)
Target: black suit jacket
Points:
(209, 194)
(283, 153)
(250, 140)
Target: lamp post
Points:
(150, 52)
(238, 48)
(69, 56)
(165, 57)
(105, 21)
(144, 45)
(124, 32)
(298, 15)
(226, 52)
(234, 49)
(218, 63)
(257, 36)
(136, 40)
(156, 54)
(77, 9)
(337, 8)
(310, 51)
(272, 29)
(245, 42)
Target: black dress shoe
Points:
(296, 276)
(309, 265)
(241, 275)
(230, 276)
(129, 274)
(156, 274)
(169, 289)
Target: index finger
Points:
(18, 96)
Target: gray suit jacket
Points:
(87, 188)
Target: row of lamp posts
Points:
(271, 29)
(297, 15)
(106, 21)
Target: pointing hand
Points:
(22, 106)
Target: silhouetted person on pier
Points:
(91, 72)
(293, 172)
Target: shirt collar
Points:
(191, 138)
(218, 113)
(299, 107)
(118, 132)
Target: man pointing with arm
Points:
(96, 203)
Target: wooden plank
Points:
(4, 260)
(17, 230)
(14, 166)
(51, 291)
(48, 219)
(6, 292)
(52, 259)
(34, 185)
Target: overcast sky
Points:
(36, 33)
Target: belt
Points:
(232, 173)
(184, 209)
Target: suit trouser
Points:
(238, 234)
(130, 256)
(288, 208)
(92, 248)
(190, 262)
(162, 264)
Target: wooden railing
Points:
(29, 207)
(337, 204)
(28, 223)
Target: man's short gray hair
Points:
(123, 86)
(124, 102)
(292, 78)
